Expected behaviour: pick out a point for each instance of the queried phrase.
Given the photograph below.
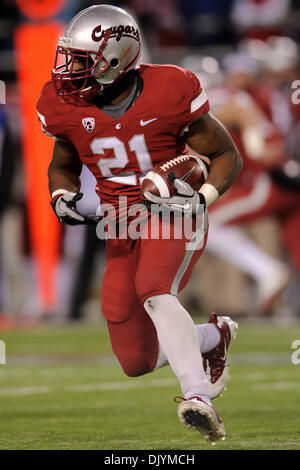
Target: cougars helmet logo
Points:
(106, 40)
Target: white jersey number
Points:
(137, 144)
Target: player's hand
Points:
(186, 199)
(64, 206)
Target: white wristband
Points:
(59, 191)
(209, 192)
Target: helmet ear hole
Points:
(114, 62)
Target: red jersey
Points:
(120, 151)
(222, 96)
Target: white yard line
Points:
(82, 388)
(260, 358)
(64, 370)
(139, 384)
(257, 357)
(155, 383)
(276, 386)
(122, 385)
(25, 390)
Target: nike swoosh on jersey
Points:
(144, 123)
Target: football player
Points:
(252, 112)
(120, 119)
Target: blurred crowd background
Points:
(246, 54)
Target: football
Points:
(189, 168)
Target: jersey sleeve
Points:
(186, 101)
(49, 113)
(196, 100)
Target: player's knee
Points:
(136, 366)
(146, 285)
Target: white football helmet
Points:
(105, 40)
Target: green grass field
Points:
(62, 389)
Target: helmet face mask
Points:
(105, 40)
(68, 78)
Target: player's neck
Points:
(123, 95)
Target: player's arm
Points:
(207, 136)
(65, 168)
(64, 184)
(268, 152)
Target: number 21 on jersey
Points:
(137, 145)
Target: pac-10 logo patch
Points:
(88, 123)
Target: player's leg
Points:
(165, 265)
(164, 268)
(208, 338)
(241, 204)
(167, 261)
(232, 244)
(270, 275)
(214, 339)
(132, 333)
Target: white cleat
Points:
(215, 361)
(196, 414)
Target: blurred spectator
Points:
(280, 70)
(162, 21)
(8, 20)
(6, 163)
(260, 18)
(7, 166)
(207, 22)
(257, 193)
